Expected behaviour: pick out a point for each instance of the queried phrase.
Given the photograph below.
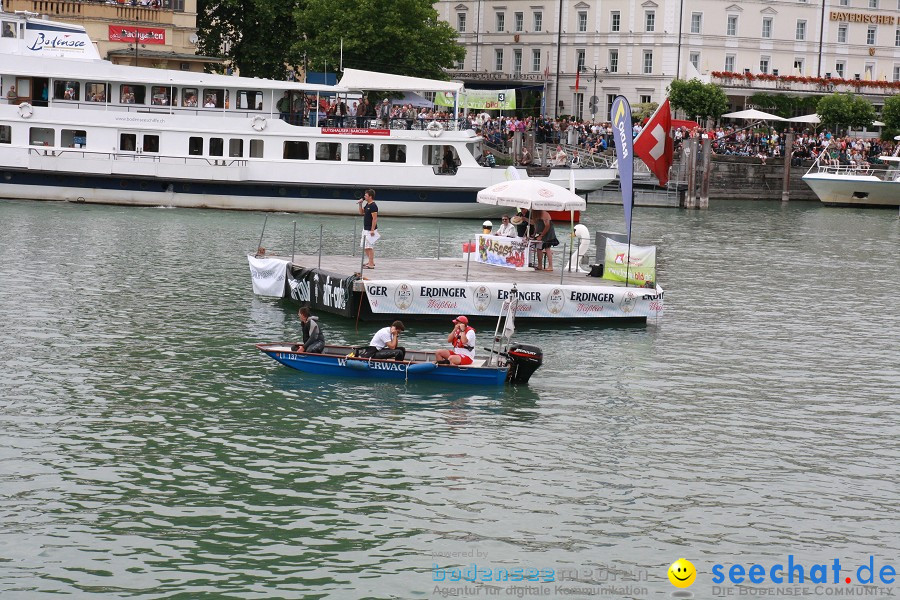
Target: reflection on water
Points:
(147, 448)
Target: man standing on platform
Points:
(370, 234)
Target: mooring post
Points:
(788, 151)
(439, 240)
(320, 245)
(262, 233)
(468, 259)
(690, 200)
(294, 244)
(707, 165)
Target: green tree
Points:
(643, 110)
(254, 35)
(392, 36)
(845, 110)
(697, 99)
(890, 115)
(785, 105)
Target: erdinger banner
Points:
(321, 289)
(641, 269)
(453, 298)
(501, 251)
(268, 275)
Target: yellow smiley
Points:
(682, 573)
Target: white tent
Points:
(751, 115)
(414, 99)
(532, 194)
(813, 118)
(356, 79)
(877, 124)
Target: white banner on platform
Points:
(501, 251)
(535, 300)
(268, 275)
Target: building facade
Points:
(161, 33)
(637, 47)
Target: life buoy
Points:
(26, 110)
(435, 128)
(258, 123)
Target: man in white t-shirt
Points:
(506, 228)
(463, 340)
(384, 344)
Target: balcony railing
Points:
(799, 83)
(98, 9)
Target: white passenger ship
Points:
(79, 128)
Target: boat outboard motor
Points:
(523, 361)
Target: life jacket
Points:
(460, 340)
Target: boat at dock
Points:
(82, 129)
(843, 185)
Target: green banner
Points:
(480, 99)
(642, 268)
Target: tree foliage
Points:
(643, 110)
(405, 37)
(697, 99)
(785, 105)
(254, 35)
(890, 115)
(845, 110)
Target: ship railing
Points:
(845, 170)
(139, 157)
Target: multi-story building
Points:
(157, 33)
(636, 48)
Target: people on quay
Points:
(506, 228)
(525, 159)
(385, 343)
(487, 227)
(370, 235)
(462, 338)
(560, 158)
(313, 339)
(545, 233)
(12, 95)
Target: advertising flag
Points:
(577, 80)
(620, 117)
(654, 143)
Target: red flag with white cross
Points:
(654, 144)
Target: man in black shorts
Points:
(370, 235)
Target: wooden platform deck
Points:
(447, 269)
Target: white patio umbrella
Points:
(877, 124)
(813, 118)
(532, 194)
(753, 115)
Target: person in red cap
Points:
(463, 340)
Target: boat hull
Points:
(854, 190)
(332, 365)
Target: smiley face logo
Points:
(682, 573)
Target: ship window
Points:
(41, 136)
(128, 142)
(133, 94)
(236, 148)
(163, 95)
(249, 100)
(213, 98)
(292, 150)
(9, 29)
(5, 134)
(66, 90)
(256, 148)
(189, 97)
(151, 143)
(328, 151)
(361, 152)
(96, 92)
(393, 153)
(443, 156)
(216, 147)
(73, 138)
(195, 146)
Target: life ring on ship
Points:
(26, 110)
(258, 123)
(435, 128)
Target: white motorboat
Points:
(842, 185)
(79, 128)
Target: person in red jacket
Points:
(463, 340)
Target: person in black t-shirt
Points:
(369, 210)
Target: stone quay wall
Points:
(746, 178)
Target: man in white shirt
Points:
(384, 344)
(506, 228)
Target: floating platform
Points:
(430, 288)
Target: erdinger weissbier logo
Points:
(556, 300)
(481, 296)
(403, 297)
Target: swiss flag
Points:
(654, 144)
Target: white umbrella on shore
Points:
(813, 118)
(753, 115)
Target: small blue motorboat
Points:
(506, 363)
